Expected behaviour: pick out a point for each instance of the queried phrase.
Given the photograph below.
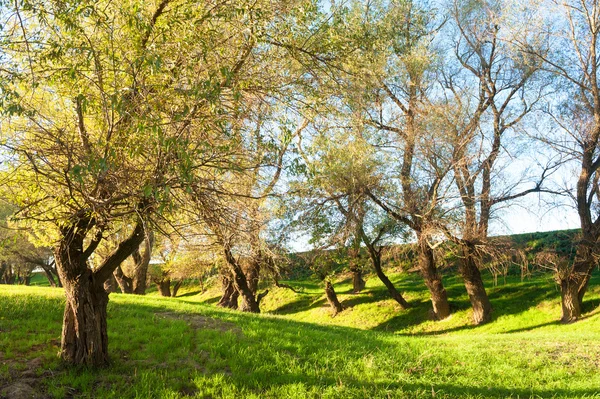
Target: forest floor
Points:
(186, 347)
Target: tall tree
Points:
(490, 88)
(118, 107)
(396, 77)
(571, 53)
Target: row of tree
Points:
(232, 127)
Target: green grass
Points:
(185, 347)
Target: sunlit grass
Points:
(179, 347)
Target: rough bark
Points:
(125, 283)
(84, 338)
(433, 280)
(229, 298)
(571, 305)
(142, 260)
(332, 298)
(164, 287)
(253, 275)
(574, 283)
(249, 303)
(482, 308)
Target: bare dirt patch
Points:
(24, 383)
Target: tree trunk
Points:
(574, 283)
(376, 261)
(50, 278)
(125, 283)
(332, 298)
(249, 303)
(358, 284)
(433, 281)
(229, 298)
(571, 306)
(142, 260)
(164, 287)
(176, 288)
(253, 276)
(84, 337)
(482, 308)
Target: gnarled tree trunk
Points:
(433, 280)
(249, 303)
(142, 260)
(125, 283)
(229, 298)
(84, 338)
(332, 298)
(573, 284)
(482, 308)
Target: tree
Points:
(570, 54)
(395, 80)
(113, 110)
(490, 87)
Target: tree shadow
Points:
(191, 293)
(534, 327)
(303, 303)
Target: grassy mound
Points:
(180, 347)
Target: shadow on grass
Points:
(267, 353)
(303, 303)
(191, 293)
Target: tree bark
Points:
(229, 298)
(358, 283)
(84, 338)
(376, 261)
(482, 308)
(253, 276)
(176, 287)
(433, 280)
(571, 305)
(164, 287)
(249, 303)
(142, 260)
(110, 285)
(125, 283)
(332, 298)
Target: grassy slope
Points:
(178, 347)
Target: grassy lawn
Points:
(186, 347)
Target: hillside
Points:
(180, 347)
